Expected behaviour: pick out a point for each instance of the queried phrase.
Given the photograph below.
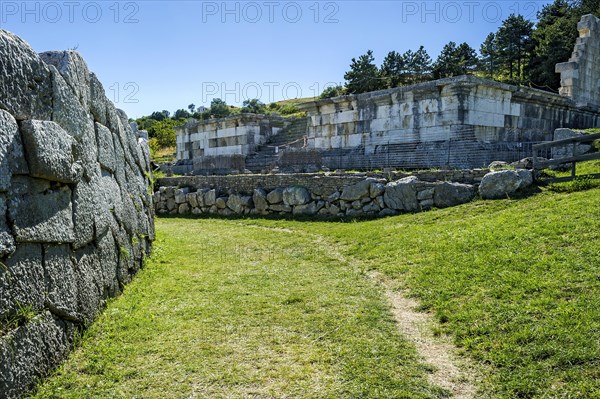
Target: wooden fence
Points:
(546, 148)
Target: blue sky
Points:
(155, 55)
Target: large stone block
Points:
(7, 241)
(296, 195)
(11, 150)
(89, 277)
(74, 70)
(31, 351)
(402, 194)
(76, 121)
(61, 283)
(451, 194)
(25, 80)
(357, 191)
(42, 216)
(106, 148)
(108, 254)
(499, 184)
(50, 152)
(22, 281)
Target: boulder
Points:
(376, 189)
(402, 194)
(259, 197)
(275, 196)
(306, 209)
(499, 184)
(210, 198)
(357, 191)
(448, 194)
(235, 203)
(296, 195)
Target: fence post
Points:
(574, 164)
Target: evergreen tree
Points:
(219, 108)
(392, 70)
(181, 114)
(254, 106)
(514, 47)
(420, 66)
(363, 75)
(489, 56)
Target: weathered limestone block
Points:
(7, 241)
(235, 203)
(192, 199)
(42, 215)
(74, 70)
(402, 194)
(526, 178)
(32, 351)
(26, 92)
(108, 203)
(90, 283)
(280, 208)
(98, 101)
(22, 281)
(108, 254)
(306, 209)
(452, 194)
(275, 196)
(296, 195)
(183, 209)
(11, 150)
(376, 189)
(61, 283)
(499, 184)
(180, 195)
(221, 202)
(50, 152)
(357, 191)
(210, 198)
(106, 148)
(259, 197)
(74, 119)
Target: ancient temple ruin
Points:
(459, 122)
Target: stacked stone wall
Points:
(76, 218)
(329, 196)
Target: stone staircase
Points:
(265, 157)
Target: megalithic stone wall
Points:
(76, 216)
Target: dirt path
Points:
(450, 372)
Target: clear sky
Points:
(158, 54)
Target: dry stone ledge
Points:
(76, 218)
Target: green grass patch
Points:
(265, 308)
(515, 283)
(224, 310)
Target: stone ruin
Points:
(460, 122)
(580, 76)
(76, 216)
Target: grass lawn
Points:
(271, 308)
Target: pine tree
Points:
(514, 47)
(392, 70)
(363, 75)
(489, 56)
